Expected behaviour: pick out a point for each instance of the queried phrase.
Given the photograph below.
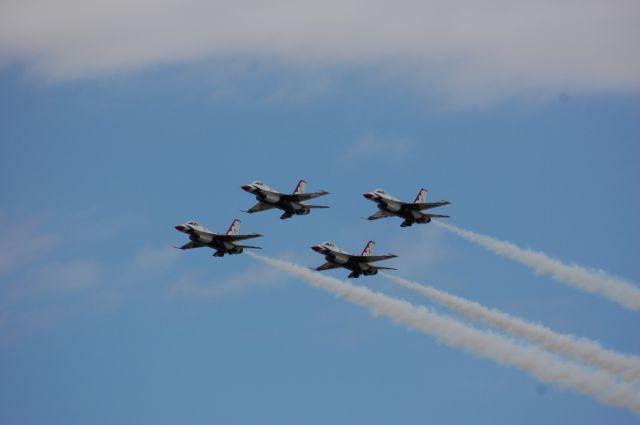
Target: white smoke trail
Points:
(582, 349)
(539, 363)
(589, 280)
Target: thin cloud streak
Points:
(539, 363)
(581, 349)
(254, 277)
(593, 281)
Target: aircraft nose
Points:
(180, 227)
(317, 248)
(247, 187)
(368, 195)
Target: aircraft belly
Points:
(283, 205)
(409, 214)
(363, 266)
(390, 207)
(217, 245)
(338, 259)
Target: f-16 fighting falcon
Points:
(358, 264)
(411, 212)
(223, 244)
(269, 198)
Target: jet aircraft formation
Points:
(294, 204)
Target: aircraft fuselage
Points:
(410, 216)
(347, 262)
(208, 240)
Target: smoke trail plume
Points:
(582, 349)
(589, 280)
(454, 333)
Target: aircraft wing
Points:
(424, 205)
(299, 197)
(260, 206)
(235, 238)
(327, 266)
(380, 214)
(190, 245)
(371, 258)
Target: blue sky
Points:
(102, 322)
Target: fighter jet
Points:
(358, 264)
(223, 244)
(410, 211)
(269, 198)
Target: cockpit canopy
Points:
(328, 243)
(192, 223)
(258, 182)
(380, 191)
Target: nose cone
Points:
(180, 227)
(369, 195)
(247, 187)
(316, 248)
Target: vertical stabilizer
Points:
(301, 187)
(234, 228)
(368, 249)
(422, 196)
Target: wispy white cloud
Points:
(21, 241)
(257, 276)
(472, 51)
(421, 247)
(59, 277)
(151, 261)
(374, 146)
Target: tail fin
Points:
(234, 228)
(301, 187)
(368, 250)
(422, 196)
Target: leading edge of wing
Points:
(300, 197)
(425, 205)
(233, 238)
(371, 258)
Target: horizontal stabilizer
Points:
(317, 206)
(437, 215)
(248, 246)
